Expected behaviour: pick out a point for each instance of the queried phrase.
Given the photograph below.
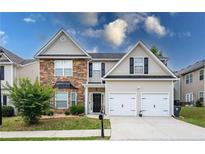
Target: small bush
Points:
(67, 112)
(49, 113)
(198, 103)
(77, 109)
(7, 111)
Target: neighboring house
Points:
(13, 68)
(124, 84)
(192, 83)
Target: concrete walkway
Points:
(154, 128)
(54, 133)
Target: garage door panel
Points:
(155, 104)
(122, 104)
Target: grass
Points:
(54, 138)
(68, 123)
(193, 115)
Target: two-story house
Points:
(123, 84)
(13, 68)
(192, 83)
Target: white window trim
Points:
(64, 68)
(66, 97)
(76, 99)
(189, 94)
(143, 65)
(99, 75)
(199, 94)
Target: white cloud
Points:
(92, 33)
(3, 38)
(172, 13)
(134, 20)
(29, 20)
(115, 32)
(71, 31)
(94, 50)
(179, 34)
(90, 18)
(153, 25)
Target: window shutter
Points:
(146, 65)
(102, 69)
(90, 70)
(131, 65)
(1, 72)
(4, 100)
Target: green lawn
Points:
(193, 115)
(68, 123)
(53, 138)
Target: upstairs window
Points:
(139, 65)
(201, 74)
(96, 69)
(189, 78)
(63, 67)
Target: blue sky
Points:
(180, 36)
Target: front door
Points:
(96, 102)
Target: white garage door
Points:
(122, 104)
(155, 104)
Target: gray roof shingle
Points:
(191, 68)
(14, 58)
(106, 55)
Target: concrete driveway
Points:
(154, 128)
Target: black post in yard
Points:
(0, 105)
(102, 128)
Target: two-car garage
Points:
(152, 104)
(155, 102)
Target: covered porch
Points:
(94, 98)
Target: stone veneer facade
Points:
(78, 79)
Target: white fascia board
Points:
(148, 51)
(174, 79)
(54, 38)
(62, 57)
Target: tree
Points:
(31, 100)
(156, 51)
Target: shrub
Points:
(7, 111)
(77, 109)
(31, 99)
(67, 112)
(199, 103)
(49, 113)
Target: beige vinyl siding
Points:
(30, 71)
(194, 87)
(108, 66)
(138, 87)
(62, 47)
(123, 67)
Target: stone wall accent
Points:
(78, 79)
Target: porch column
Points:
(86, 100)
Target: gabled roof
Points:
(198, 65)
(110, 55)
(148, 52)
(53, 39)
(15, 58)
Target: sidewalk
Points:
(54, 133)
